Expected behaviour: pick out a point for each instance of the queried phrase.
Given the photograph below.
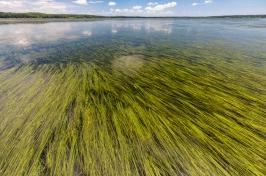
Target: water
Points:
(29, 42)
(133, 97)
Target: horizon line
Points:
(131, 16)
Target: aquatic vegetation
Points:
(165, 116)
(137, 97)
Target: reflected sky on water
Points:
(23, 42)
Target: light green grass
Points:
(156, 116)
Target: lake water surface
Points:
(55, 42)
(134, 97)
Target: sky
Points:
(138, 7)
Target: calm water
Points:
(60, 42)
(165, 97)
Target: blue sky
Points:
(138, 7)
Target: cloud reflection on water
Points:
(165, 27)
(26, 35)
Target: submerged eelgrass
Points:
(137, 117)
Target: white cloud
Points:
(95, 2)
(205, 2)
(152, 3)
(121, 10)
(208, 1)
(137, 7)
(80, 2)
(111, 3)
(85, 2)
(135, 10)
(6, 5)
(160, 7)
(47, 6)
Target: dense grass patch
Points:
(137, 116)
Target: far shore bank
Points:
(47, 20)
(43, 20)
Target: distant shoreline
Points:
(42, 20)
(13, 18)
(34, 15)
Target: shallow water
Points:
(133, 97)
(55, 42)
